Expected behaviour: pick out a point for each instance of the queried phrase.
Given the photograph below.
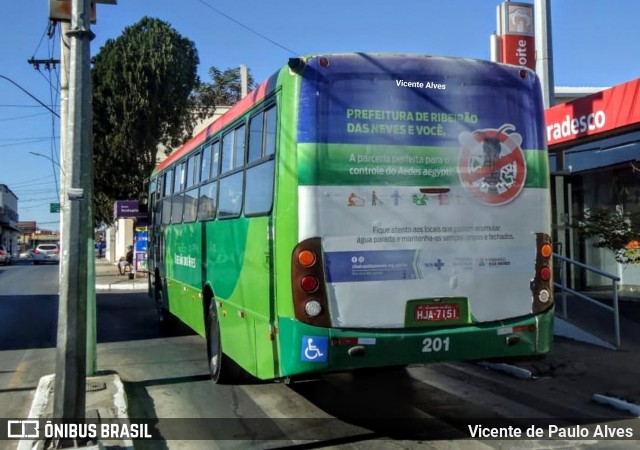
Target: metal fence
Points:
(564, 262)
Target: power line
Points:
(29, 139)
(32, 191)
(6, 105)
(39, 199)
(9, 119)
(24, 142)
(19, 185)
(257, 33)
(31, 95)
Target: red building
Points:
(594, 148)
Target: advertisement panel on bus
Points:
(430, 186)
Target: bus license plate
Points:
(436, 312)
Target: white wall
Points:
(122, 238)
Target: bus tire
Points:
(221, 367)
(164, 318)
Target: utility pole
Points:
(244, 81)
(70, 390)
(91, 364)
(544, 50)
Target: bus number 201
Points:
(436, 344)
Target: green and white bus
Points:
(361, 210)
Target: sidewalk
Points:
(596, 371)
(108, 279)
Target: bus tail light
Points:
(542, 282)
(545, 273)
(307, 258)
(544, 296)
(312, 308)
(309, 284)
(309, 291)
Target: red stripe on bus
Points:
(236, 111)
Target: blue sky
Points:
(595, 43)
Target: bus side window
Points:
(215, 160)
(270, 131)
(168, 182)
(262, 135)
(190, 205)
(177, 206)
(255, 138)
(166, 201)
(166, 211)
(207, 201)
(227, 152)
(259, 190)
(193, 171)
(233, 149)
(179, 177)
(239, 146)
(259, 185)
(230, 195)
(152, 198)
(159, 187)
(157, 215)
(205, 164)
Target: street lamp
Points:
(50, 159)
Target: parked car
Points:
(5, 256)
(46, 253)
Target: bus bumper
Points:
(309, 349)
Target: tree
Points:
(615, 230)
(142, 98)
(225, 89)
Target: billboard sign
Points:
(27, 227)
(127, 209)
(61, 10)
(516, 31)
(607, 110)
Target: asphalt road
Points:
(29, 310)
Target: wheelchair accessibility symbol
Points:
(314, 349)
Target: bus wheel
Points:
(161, 306)
(220, 366)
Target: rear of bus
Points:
(424, 214)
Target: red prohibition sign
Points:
(472, 179)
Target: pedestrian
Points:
(126, 261)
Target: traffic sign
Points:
(54, 207)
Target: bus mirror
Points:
(143, 205)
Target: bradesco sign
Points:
(612, 108)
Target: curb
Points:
(515, 371)
(41, 402)
(618, 403)
(121, 287)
